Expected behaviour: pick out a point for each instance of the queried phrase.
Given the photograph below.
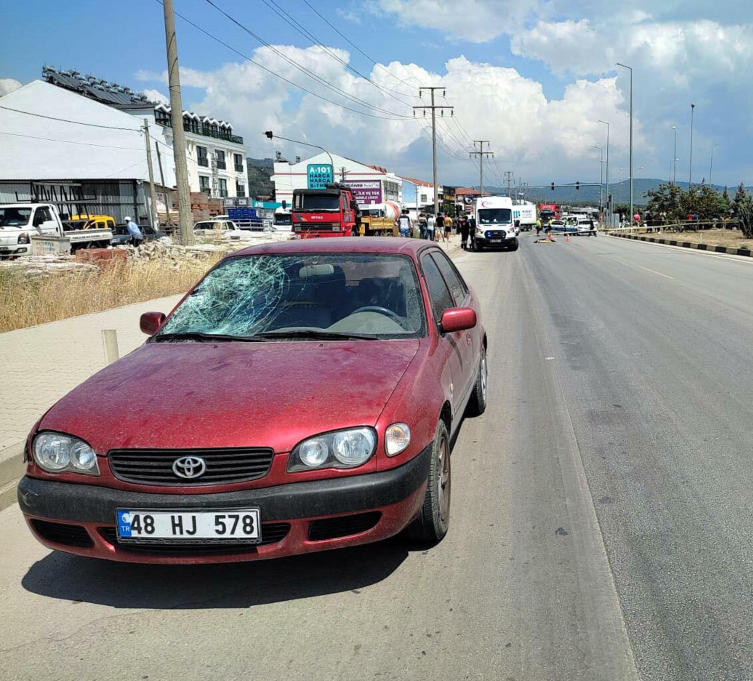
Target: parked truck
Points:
(324, 212)
(19, 222)
(379, 219)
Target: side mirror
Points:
(458, 319)
(150, 322)
(38, 219)
(284, 204)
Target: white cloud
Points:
(7, 85)
(156, 96)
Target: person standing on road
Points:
(538, 226)
(431, 223)
(404, 223)
(463, 231)
(472, 230)
(422, 223)
(440, 227)
(447, 227)
(133, 229)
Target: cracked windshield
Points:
(378, 340)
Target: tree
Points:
(727, 199)
(740, 197)
(665, 201)
(745, 216)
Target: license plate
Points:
(237, 525)
(495, 241)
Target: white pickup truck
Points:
(20, 221)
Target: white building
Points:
(370, 184)
(59, 146)
(216, 157)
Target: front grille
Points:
(223, 466)
(342, 526)
(271, 533)
(63, 533)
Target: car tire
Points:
(477, 403)
(434, 520)
(514, 246)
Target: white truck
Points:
(524, 213)
(494, 224)
(21, 221)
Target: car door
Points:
(44, 221)
(450, 349)
(468, 342)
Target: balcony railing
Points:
(191, 126)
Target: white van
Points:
(494, 223)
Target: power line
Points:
(285, 16)
(302, 68)
(86, 144)
(273, 73)
(65, 120)
(350, 42)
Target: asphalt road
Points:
(600, 522)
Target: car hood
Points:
(190, 395)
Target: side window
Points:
(43, 215)
(438, 291)
(451, 276)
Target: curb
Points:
(745, 252)
(11, 470)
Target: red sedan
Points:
(301, 397)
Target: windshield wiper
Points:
(316, 334)
(205, 337)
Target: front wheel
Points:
(432, 524)
(514, 246)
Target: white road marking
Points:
(666, 276)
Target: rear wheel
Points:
(432, 524)
(477, 403)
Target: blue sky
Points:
(532, 76)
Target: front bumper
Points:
(496, 238)
(19, 249)
(80, 518)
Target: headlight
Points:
(23, 238)
(341, 449)
(396, 439)
(58, 453)
(479, 231)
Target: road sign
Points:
(320, 175)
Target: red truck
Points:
(324, 212)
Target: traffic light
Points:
(577, 186)
(552, 186)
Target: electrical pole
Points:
(343, 171)
(433, 109)
(481, 153)
(631, 141)
(508, 178)
(690, 169)
(168, 197)
(152, 192)
(185, 219)
(609, 196)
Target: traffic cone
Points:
(567, 237)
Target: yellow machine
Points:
(93, 221)
(378, 220)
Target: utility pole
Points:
(433, 107)
(481, 153)
(609, 196)
(690, 169)
(168, 196)
(185, 218)
(508, 177)
(674, 158)
(343, 171)
(152, 192)
(631, 141)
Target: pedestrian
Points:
(431, 223)
(463, 232)
(133, 229)
(404, 223)
(472, 231)
(538, 226)
(422, 224)
(637, 219)
(447, 227)
(440, 227)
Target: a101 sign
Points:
(320, 175)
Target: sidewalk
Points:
(42, 363)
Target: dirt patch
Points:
(729, 238)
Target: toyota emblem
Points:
(189, 467)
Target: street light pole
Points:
(631, 139)
(601, 176)
(609, 210)
(674, 158)
(711, 167)
(271, 135)
(690, 170)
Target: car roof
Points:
(341, 245)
